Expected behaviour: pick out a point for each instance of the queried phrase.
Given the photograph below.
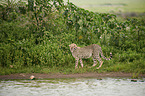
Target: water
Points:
(73, 87)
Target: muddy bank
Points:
(83, 75)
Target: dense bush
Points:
(38, 36)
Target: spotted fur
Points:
(86, 52)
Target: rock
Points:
(22, 75)
(99, 78)
(133, 80)
(141, 81)
(32, 77)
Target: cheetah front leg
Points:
(100, 65)
(76, 66)
(100, 61)
(95, 62)
(81, 63)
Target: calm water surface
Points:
(73, 87)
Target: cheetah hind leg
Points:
(100, 65)
(95, 62)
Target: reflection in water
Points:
(73, 87)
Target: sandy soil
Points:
(84, 75)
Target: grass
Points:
(137, 6)
(108, 66)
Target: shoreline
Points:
(59, 75)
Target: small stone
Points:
(22, 75)
(141, 81)
(32, 77)
(133, 80)
(99, 78)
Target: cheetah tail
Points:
(105, 57)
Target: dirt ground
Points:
(83, 75)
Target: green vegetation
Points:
(35, 39)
